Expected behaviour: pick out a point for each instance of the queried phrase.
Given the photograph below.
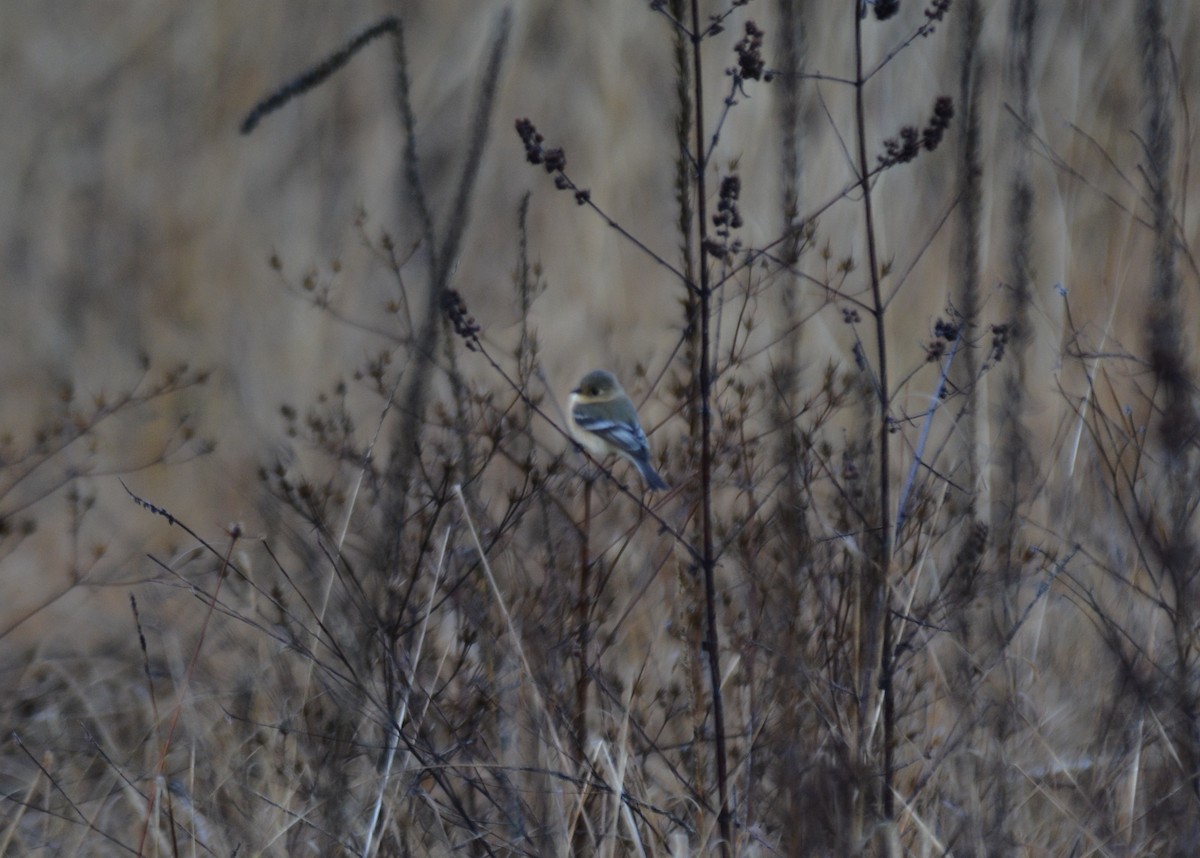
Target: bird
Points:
(604, 422)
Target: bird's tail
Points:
(653, 481)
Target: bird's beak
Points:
(576, 390)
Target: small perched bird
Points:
(604, 422)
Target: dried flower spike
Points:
(464, 323)
(751, 65)
(535, 153)
(885, 9)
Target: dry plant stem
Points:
(508, 621)
(89, 821)
(579, 837)
(318, 74)
(683, 165)
(402, 714)
(187, 678)
(341, 540)
(878, 631)
(441, 259)
(583, 620)
(969, 214)
(1175, 545)
(137, 620)
(923, 439)
(24, 803)
(1014, 452)
(617, 775)
(708, 558)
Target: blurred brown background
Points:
(140, 225)
(137, 219)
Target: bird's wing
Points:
(627, 436)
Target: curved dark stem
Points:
(441, 259)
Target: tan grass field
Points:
(385, 608)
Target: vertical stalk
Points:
(878, 631)
(579, 841)
(583, 618)
(1170, 359)
(969, 766)
(711, 642)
